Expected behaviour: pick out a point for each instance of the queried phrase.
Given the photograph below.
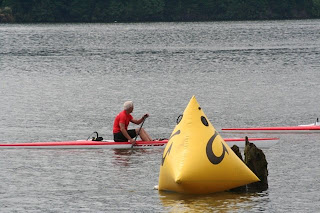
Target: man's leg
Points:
(144, 135)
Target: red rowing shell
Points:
(124, 145)
(313, 128)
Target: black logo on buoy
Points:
(169, 149)
(163, 158)
(211, 156)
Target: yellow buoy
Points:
(197, 160)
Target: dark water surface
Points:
(64, 81)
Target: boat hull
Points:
(286, 129)
(259, 142)
(86, 144)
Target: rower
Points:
(121, 122)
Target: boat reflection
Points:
(218, 202)
(125, 157)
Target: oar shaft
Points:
(139, 131)
(140, 128)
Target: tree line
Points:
(155, 10)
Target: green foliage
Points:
(81, 10)
(118, 11)
(158, 10)
(316, 8)
(173, 9)
(148, 8)
(43, 11)
(6, 15)
(101, 12)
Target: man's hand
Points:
(132, 141)
(146, 115)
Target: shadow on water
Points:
(221, 202)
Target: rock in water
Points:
(256, 161)
(236, 150)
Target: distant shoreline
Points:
(137, 22)
(138, 11)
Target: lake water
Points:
(63, 81)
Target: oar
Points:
(139, 131)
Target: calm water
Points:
(64, 81)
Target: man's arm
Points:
(135, 121)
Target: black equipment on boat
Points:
(97, 138)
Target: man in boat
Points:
(121, 122)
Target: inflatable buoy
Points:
(197, 160)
